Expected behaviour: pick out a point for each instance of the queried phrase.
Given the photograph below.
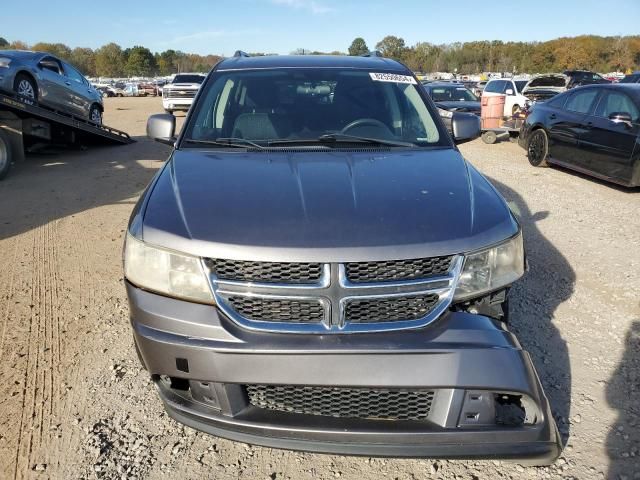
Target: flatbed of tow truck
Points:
(24, 124)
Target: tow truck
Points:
(24, 124)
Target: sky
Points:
(282, 26)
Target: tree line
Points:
(591, 52)
(111, 60)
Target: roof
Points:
(21, 53)
(311, 61)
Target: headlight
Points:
(445, 113)
(491, 269)
(165, 271)
(5, 62)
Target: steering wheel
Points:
(364, 122)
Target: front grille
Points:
(397, 270)
(274, 310)
(266, 272)
(391, 309)
(170, 93)
(341, 402)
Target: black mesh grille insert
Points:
(390, 309)
(397, 270)
(270, 310)
(367, 403)
(266, 272)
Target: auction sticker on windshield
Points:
(392, 77)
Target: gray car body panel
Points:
(460, 351)
(324, 206)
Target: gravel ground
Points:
(74, 403)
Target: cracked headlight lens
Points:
(491, 269)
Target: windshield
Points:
(520, 84)
(188, 79)
(307, 105)
(548, 81)
(454, 93)
(633, 78)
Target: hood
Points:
(460, 106)
(555, 82)
(323, 206)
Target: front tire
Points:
(25, 87)
(95, 115)
(538, 148)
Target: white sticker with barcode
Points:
(392, 77)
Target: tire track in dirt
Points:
(41, 376)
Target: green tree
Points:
(167, 62)
(109, 61)
(140, 62)
(84, 59)
(392, 47)
(358, 47)
(3, 42)
(60, 50)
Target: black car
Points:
(450, 98)
(578, 78)
(593, 129)
(631, 78)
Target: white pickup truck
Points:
(179, 94)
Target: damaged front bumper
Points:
(459, 388)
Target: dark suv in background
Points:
(317, 267)
(584, 77)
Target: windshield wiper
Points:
(227, 142)
(333, 138)
(344, 137)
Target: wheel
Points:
(538, 148)
(489, 137)
(26, 87)
(105, 95)
(5, 156)
(95, 115)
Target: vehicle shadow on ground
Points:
(57, 184)
(549, 282)
(623, 395)
(596, 180)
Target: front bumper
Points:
(457, 355)
(177, 103)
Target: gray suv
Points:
(317, 267)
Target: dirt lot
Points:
(74, 403)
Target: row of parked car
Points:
(594, 129)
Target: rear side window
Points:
(557, 101)
(581, 101)
(614, 102)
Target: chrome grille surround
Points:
(335, 292)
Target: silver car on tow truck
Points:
(42, 78)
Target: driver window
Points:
(74, 75)
(613, 102)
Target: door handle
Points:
(67, 83)
(589, 125)
(552, 116)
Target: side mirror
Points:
(509, 91)
(465, 127)
(621, 117)
(162, 128)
